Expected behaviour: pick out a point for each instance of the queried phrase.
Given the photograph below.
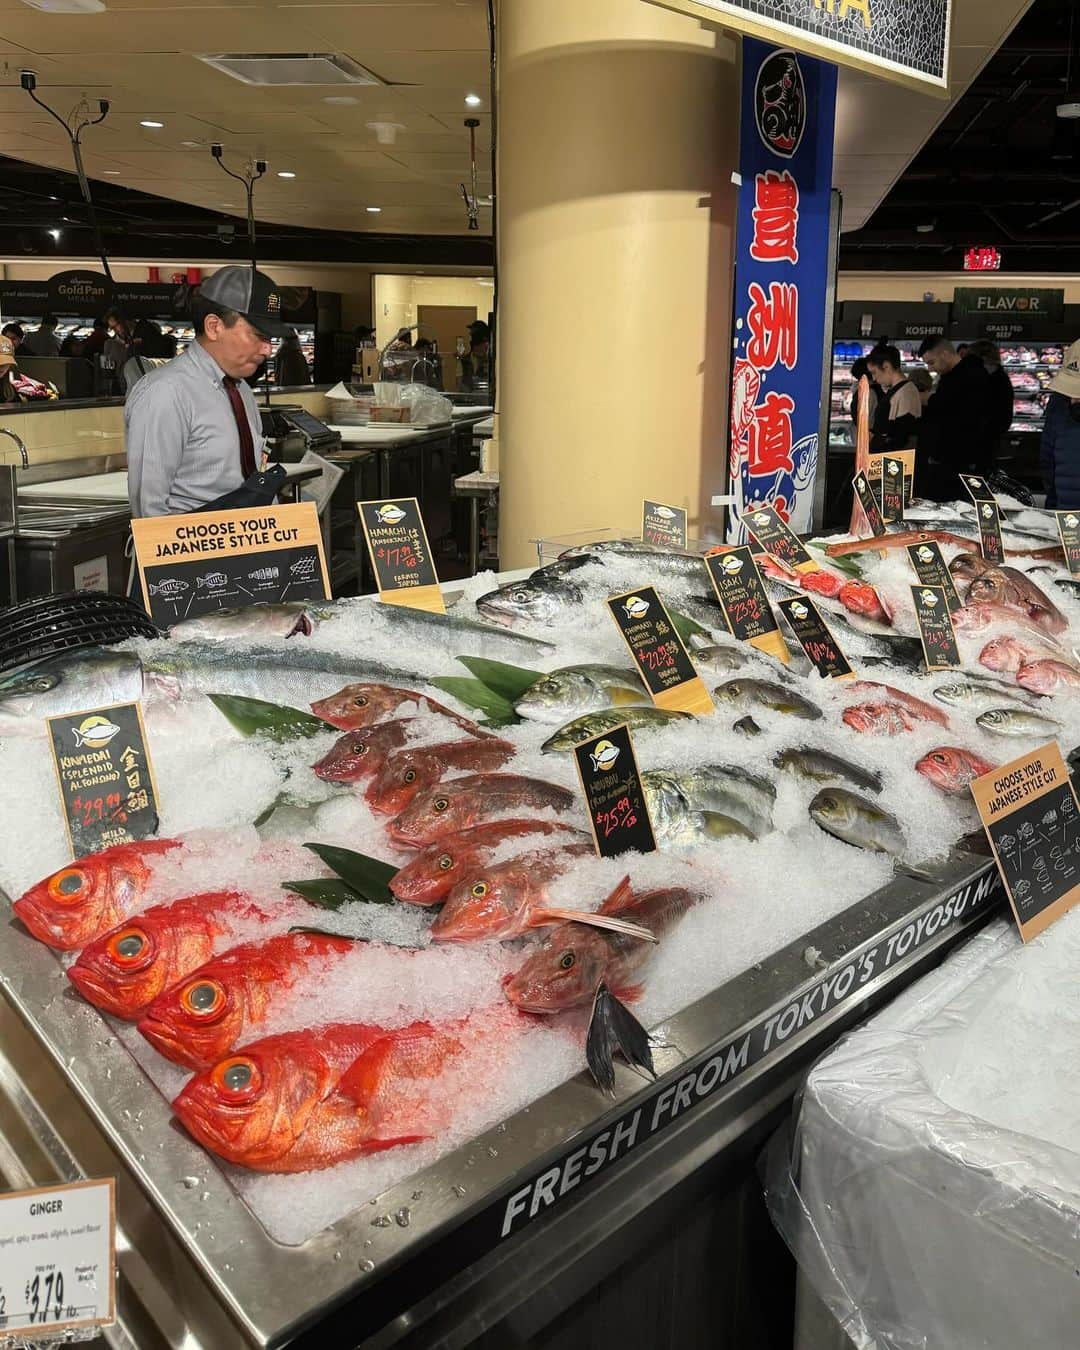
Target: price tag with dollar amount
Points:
(773, 536)
(1029, 812)
(669, 674)
(990, 542)
(935, 627)
(821, 648)
(104, 775)
(57, 1259)
(932, 570)
(744, 601)
(892, 490)
(1068, 523)
(869, 505)
(608, 771)
(400, 554)
(664, 526)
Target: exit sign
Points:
(982, 260)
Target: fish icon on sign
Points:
(799, 609)
(732, 564)
(635, 607)
(95, 731)
(1072, 521)
(172, 588)
(212, 581)
(987, 511)
(665, 513)
(390, 514)
(604, 756)
(893, 468)
(761, 518)
(929, 599)
(925, 554)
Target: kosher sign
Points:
(669, 674)
(935, 627)
(821, 648)
(618, 814)
(104, 775)
(743, 599)
(781, 269)
(775, 538)
(713, 1072)
(869, 505)
(208, 561)
(932, 570)
(663, 525)
(400, 554)
(990, 542)
(1029, 812)
(892, 490)
(1068, 523)
(902, 40)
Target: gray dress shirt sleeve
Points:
(157, 428)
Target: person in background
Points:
(899, 409)
(924, 383)
(1001, 412)
(16, 387)
(858, 370)
(43, 340)
(72, 345)
(365, 335)
(133, 340)
(15, 332)
(954, 433)
(1060, 451)
(475, 364)
(290, 363)
(94, 342)
(427, 368)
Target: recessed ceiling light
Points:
(148, 122)
(191, 145)
(341, 100)
(112, 173)
(286, 173)
(374, 210)
(56, 235)
(925, 229)
(473, 100)
(67, 6)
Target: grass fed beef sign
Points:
(903, 40)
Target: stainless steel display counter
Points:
(518, 1225)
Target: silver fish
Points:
(595, 723)
(654, 561)
(856, 821)
(1016, 722)
(294, 618)
(746, 726)
(562, 695)
(818, 766)
(766, 694)
(1069, 586)
(91, 678)
(701, 827)
(539, 600)
(975, 692)
(713, 658)
(726, 789)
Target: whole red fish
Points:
(820, 581)
(573, 959)
(903, 538)
(1009, 653)
(977, 615)
(862, 599)
(921, 711)
(360, 754)
(310, 1099)
(365, 704)
(198, 1020)
(1046, 677)
(123, 971)
(951, 768)
(505, 900)
(409, 772)
(474, 800)
(433, 873)
(91, 895)
(880, 719)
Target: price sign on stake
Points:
(400, 554)
(978, 489)
(1068, 523)
(868, 502)
(892, 490)
(669, 674)
(1029, 812)
(773, 536)
(106, 781)
(993, 550)
(212, 560)
(743, 599)
(935, 627)
(58, 1270)
(663, 525)
(907, 459)
(931, 569)
(618, 815)
(817, 642)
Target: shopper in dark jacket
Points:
(955, 433)
(1061, 436)
(1001, 412)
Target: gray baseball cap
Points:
(251, 294)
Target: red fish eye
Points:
(479, 890)
(66, 887)
(939, 759)
(360, 700)
(129, 947)
(410, 775)
(440, 804)
(203, 998)
(566, 961)
(237, 1077)
(359, 747)
(445, 862)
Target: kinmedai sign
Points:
(903, 40)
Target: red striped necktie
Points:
(243, 426)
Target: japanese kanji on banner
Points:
(781, 271)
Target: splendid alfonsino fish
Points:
(819, 581)
(573, 959)
(364, 704)
(224, 1001)
(91, 895)
(407, 772)
(862, 599)
(880, 719)
(920, 710)
(436, 871)
(474, 800)
(359, 754)
(951, 768)
(1047, 676)
(122, 972)
(977, 615)
(313, 1098)
(506, 900)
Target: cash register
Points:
(291, 431)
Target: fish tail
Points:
(620, 898)
(614, 1027)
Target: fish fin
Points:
(621, 698)
(381, 1145)
(612, 1027)
(418, 1052)
(620, 898)
(629, 994)
(541, 917)
(303, 627)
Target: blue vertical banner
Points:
(788, 111)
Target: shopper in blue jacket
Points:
(1061, 436)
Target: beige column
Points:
(618, 129)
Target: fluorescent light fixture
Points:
(925, 229)
(473, 100)
(190, 145)
(341, 100)
(111, 173)
(374, 210)
(149, 122)
(67, 6)
(286, 173)
(291, 68)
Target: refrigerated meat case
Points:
(574, 1212)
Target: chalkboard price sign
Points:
(814, 637)
(868, 502)
(1068, 523)
(932, 570)
(773, 536)
(993, 550)
(1029, 812)
(400, 554)
(666, 668)
(892, 490)
(104, 775)
(743, 599)
(618, 814)
(662, 525)
(978, 489)
(935, 627)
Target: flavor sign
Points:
(781, 269)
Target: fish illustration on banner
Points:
(781, 268)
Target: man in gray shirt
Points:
(43, 340)
(193, 428)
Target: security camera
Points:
(103, 106)
(260, 166)
(217, 149)
(28, 80)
